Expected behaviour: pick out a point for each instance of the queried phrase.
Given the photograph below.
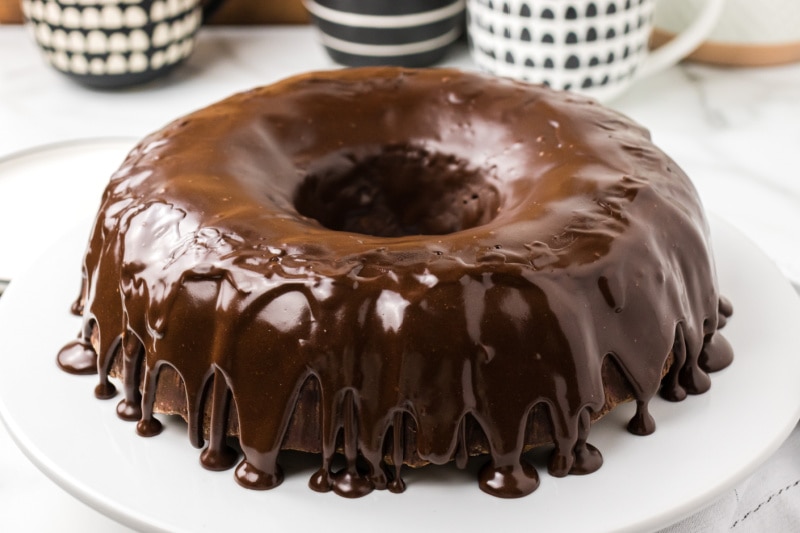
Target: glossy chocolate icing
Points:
(399, 266)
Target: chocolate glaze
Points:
(399, 266)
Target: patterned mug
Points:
(594, 47)
(115, 43)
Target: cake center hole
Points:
(396, 192)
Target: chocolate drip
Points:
(392, 267)
(642, 422)
(130, 407)
(105, 389)
(671, 388)
(252, 477)
(725, 309)
(397, 485)
(148, 426)
(587, 457)
(77, 357)
(717, 354)
(218, 455)
(349, 482)
(513, 480)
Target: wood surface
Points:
(231, 12)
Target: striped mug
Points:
(410, 33)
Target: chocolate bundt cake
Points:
(398, 267)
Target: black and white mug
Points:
(595, 47)
(115, 43)
(410, 33)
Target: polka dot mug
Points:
(594, 47)
(115, 43)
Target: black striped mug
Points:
(410, 33)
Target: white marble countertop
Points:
(736, 132)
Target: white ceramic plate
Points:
(62, 181)
(760, 208)
(702, 446)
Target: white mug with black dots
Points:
(593, 47)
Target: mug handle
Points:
(684, 43)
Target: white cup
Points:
(748, 33)
(594, 47)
